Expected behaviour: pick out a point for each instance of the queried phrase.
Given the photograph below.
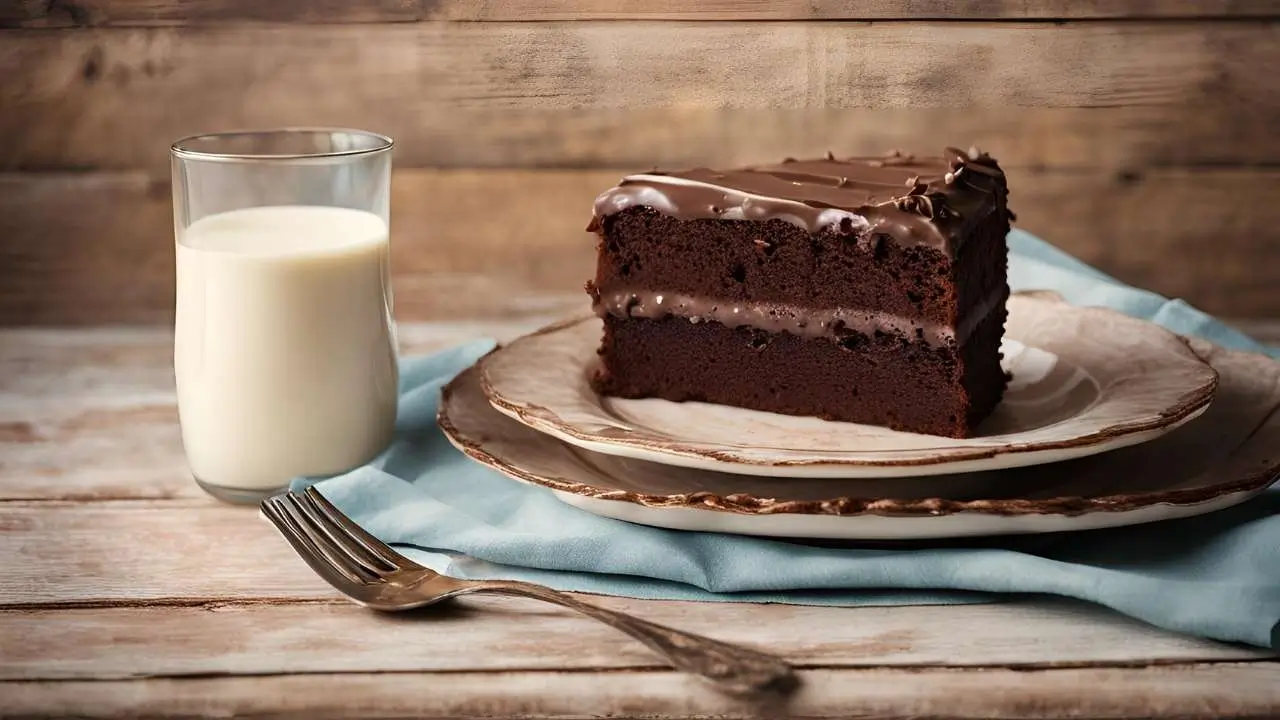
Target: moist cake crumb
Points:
(866, 290)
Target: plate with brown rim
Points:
(1223, 458)
(1085, 381)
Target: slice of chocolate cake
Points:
(868, 290)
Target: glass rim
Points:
(180, 147)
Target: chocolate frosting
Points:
(913, 201)
(833, 323)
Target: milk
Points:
(285, 352)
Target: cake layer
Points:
(767, 234)
(864, 290)
(771, 262)
(881, 381)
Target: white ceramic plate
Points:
(1223, 458)
(1085, 381)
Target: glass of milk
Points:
(284, 348)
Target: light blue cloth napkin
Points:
(1217, 576)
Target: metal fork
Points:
(372, 574)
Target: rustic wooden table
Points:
(126, 592)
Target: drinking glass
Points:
(284, 347)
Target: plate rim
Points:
(1254, 482)
(1121, 434)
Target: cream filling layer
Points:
(833, 323)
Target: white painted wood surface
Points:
(127, 592)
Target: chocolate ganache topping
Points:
(914, 201)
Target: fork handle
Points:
(737, 669)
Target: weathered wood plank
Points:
(1186, 692)
(339, 637)
(90, 415)
(140, 551)
(91, 249)
(84, 249)
(443, 136)
(144, 556)
(1150, 228)
(1197, 134)
(1265, 330)
(514, 93)
(499, 10)
(85, 13)
(119, 13)
(86, 453)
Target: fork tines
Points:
(330, 542)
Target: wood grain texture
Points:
(91, 248)
(469, 94)
(1265, 330)
(90, 415)
(140, 551)
(78, 13)
(267, 638)
(1187, 692)
(1126, 139)
(96, 249)
(842, 10)
(86, 13)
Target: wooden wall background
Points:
(1142, 135)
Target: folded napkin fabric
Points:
(1216, 576)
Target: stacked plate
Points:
(1108, 421)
